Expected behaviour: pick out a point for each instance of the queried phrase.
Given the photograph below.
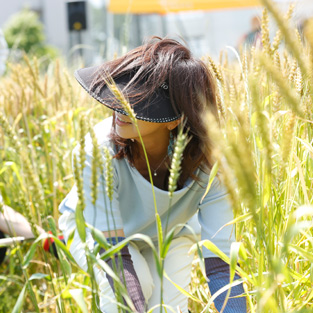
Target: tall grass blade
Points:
(20, 300)
(78, 296)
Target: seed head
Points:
(108, 173)
(96, 166)
(265, 33)
(175, 171)
(122, 100)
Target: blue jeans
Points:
(217, 271)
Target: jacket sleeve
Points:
(214, 212)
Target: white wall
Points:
(9, 7)
(55, 21)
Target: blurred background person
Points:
(253, 37)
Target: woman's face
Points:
(148, 130)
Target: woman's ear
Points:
(172, 125)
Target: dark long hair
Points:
(191, 89)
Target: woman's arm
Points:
(217, 272)
(15, 224)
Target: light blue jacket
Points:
(132, 208)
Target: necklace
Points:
(155, 169)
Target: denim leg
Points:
(217, 272)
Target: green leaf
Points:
(78, 296)
(30, 253)
(266, 184)
(64, 248)
(13, 278)
(307, 145)
(66, 294)
(39, 276)
(182, 290)
(20, 300)
(15, 169)
(114, 249)
(107, 269)
(66, 266)
(234, 252)
(51, 222)
(70, 238)
(160, 232)
(243, 253)
(167, 308)
(80, 223)
(111, 250)
(211, 178)
(167, 242)
(295, 229)
(267, 100)
(300, 251)
(99, 237)
(213, 248)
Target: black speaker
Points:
(76, 13)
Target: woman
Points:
(167, 88)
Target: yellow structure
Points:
(169, 6)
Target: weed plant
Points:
(264, 155)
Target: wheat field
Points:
(263, 149)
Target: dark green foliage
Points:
(25, 32)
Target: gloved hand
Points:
(49, 245)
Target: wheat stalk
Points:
(265, 33)
(278, 37)
(181, 142)
(289, 93)
(215, 70)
